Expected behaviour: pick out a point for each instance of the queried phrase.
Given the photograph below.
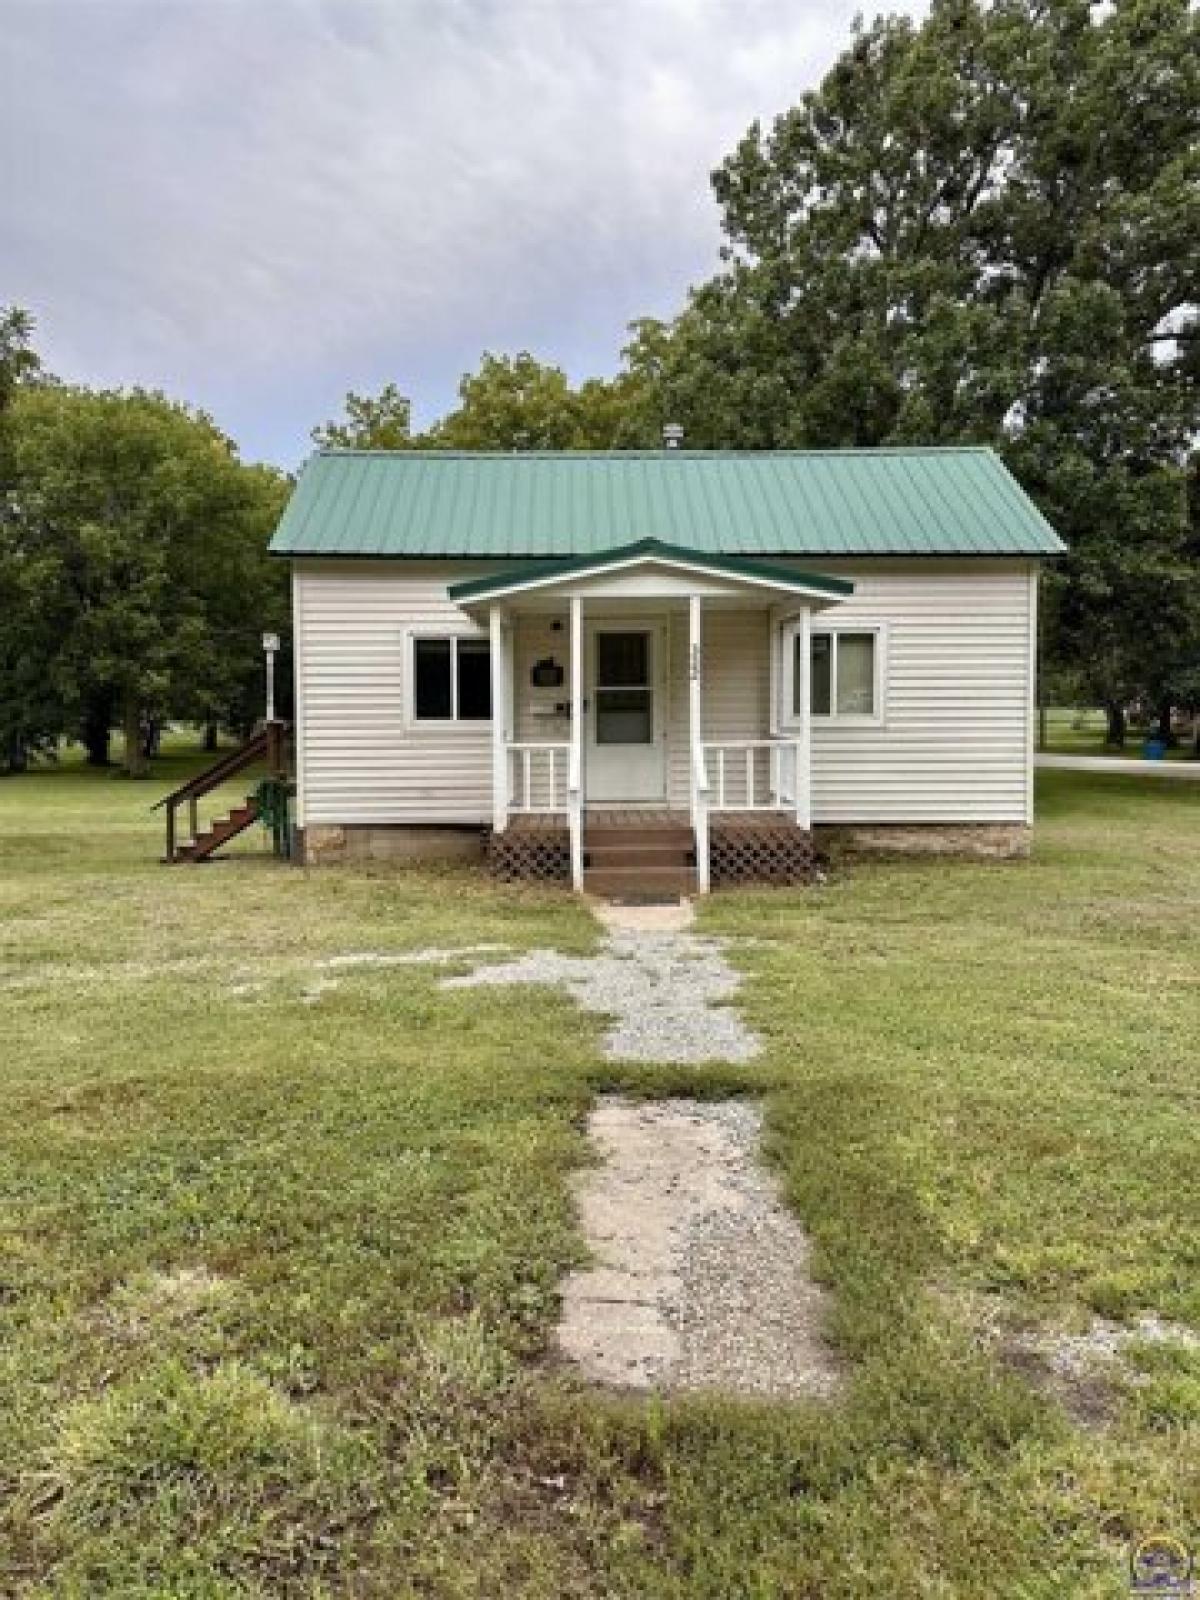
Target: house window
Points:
(844, 674)
(452, 679)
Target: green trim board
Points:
(536, 574)
(413, 505)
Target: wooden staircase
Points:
(219, 832)
(266, 746)
(650, 858)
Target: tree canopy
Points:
(371, 422)
(133, 567)
(984, 228)
(509, 403)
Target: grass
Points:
(1080, 732)
(277, 1278)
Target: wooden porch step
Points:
(635, 882)
(668, 836)
(224, 829)
(639, 854)
(609, 855)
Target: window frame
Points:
(453, 721)
(792, 718)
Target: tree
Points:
(240, 591)
(516, 403)
(372, 422)
(984, 228)
(508, 403)
(29, 712)
(32, 712)
(18, 360)
(144, 540)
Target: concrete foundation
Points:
(981, 840)
(326, 844)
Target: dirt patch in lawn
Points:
(1084, 1369)
(700, 1275)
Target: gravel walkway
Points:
(700, 1274)
(667, 991)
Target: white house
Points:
(651, 671)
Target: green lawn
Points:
(278, 1265)
(1077, 732)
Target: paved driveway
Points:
(1130, 766)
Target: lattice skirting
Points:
(530, 855)
(753, 853)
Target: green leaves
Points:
(134, 554)
(372, 422)
(508, 403)
(984, 228)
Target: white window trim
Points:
(792, 719)
(441, 724)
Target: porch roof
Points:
(534, 575)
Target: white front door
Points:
(626, 747)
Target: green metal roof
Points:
(894, 502)
(534, 573)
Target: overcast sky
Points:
(257, 204)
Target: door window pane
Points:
(474, 680)
(856, 674)
(624, 716)
(623, 660)
(822, 674)
(431, 658)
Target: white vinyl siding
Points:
(951, 744)
(363, 758)
(736, 689)
(953, 741)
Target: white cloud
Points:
(257, 203)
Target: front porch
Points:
(650, 725)
(638, 854)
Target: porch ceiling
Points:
(651, 569)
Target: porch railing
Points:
(758, 775)
(538, 777)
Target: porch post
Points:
(499, 720)
(699, 784)
(804, 743)
(575, 767)
(775, 653)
